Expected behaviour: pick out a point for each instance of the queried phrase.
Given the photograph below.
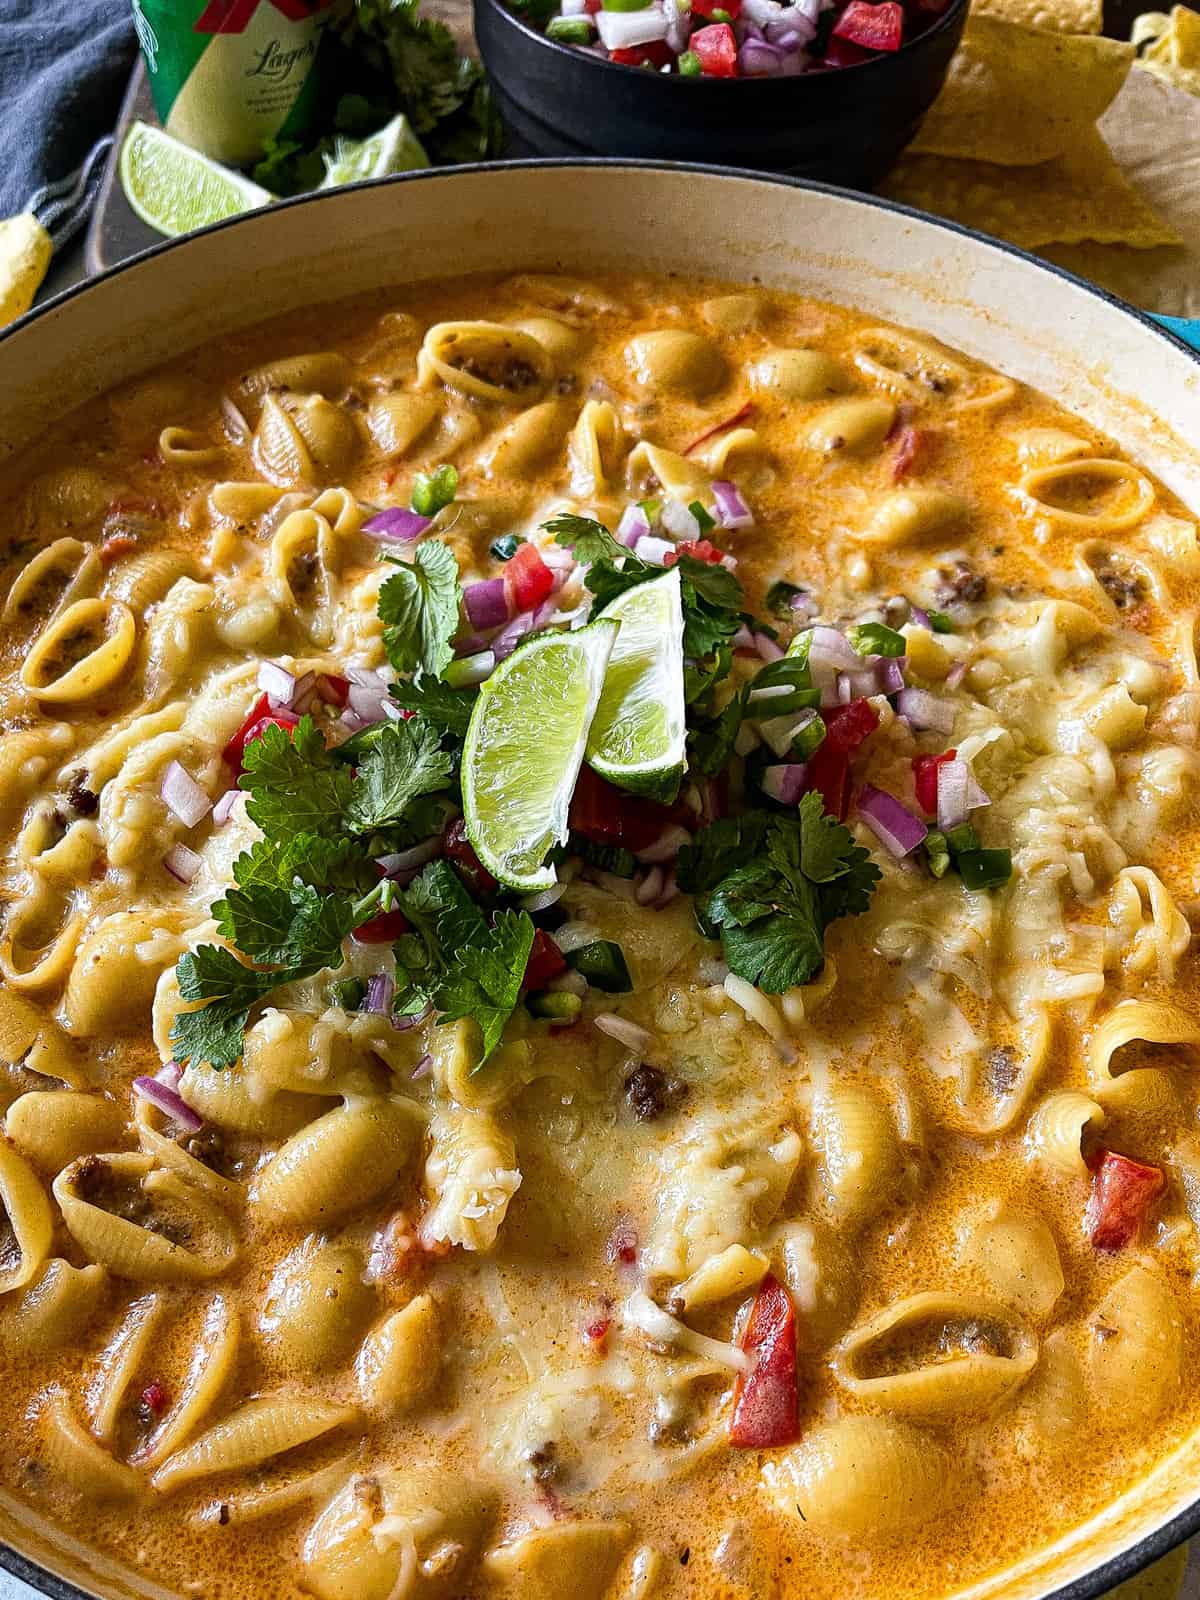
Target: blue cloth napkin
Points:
(63, 69)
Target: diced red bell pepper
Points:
(828, 771)
(546, 961)
(766, 1400)
(847, 726)
(527, 579)
(911, 452)
(1122, 1194)
(258, 720)
(925, 779)
(607, 815)
(874, 27)
(331, 686)
(386, 928)
(460, 853)
(717, 49)
(738, 416)
(700, 549)
(655, 54)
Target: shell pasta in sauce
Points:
(782, 1178)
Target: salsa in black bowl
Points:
(828, 91)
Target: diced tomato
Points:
(655, 54)
(748, 409)
(717, 49)
(595, 1332)
(1122, 1194)
(841, 53)
(527, 578)
(333, 687)
(925, 779)
(912, 451)
(386, 928)
(622, 1246)
(705, 8)
(607, 815)
(592, 6)
(828, 771)
(700, 549)
(259, 719)
(116, 546)
(766, 1401)
(460, 853)
(873, 27)
(847, 726)
(546, 961)
(154, 1398)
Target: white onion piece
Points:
(182, 863)
(408, 860)
(278, 683)
(569, 983)
(667, 846)
(651, 549)
(623, 1031)
(223, 809)
(183, 796)
(622, 30)
(678, 521)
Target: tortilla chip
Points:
(1081, 195)
(1164, 279)
(1017, 96)
(1170, 46)
(1055, 16)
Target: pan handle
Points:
(1185, 328)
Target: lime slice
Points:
(638, 733)
(395, 148)
(175, 189)
(525, 747)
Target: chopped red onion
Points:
(396, 522)
(666, 847)
(381, 991)
(182, 863)
(762, 12)
(169, 1073)
(558, 558)
(678, 521)
(633, 525)
(278, 683)
(620, 1028)
(920, 617)
(767, 648)
(409, 860)
(924, 711)
(547, 611)
(743, 639)
(423, 1067)
(758, 59)
(650, 887)
(732, 510)
(223, 809)
(470, 644)
(831, 648)
(507, 640)
(569, 983)
(404, 1024)
(803, 606)
(653, 550)
(889, 673)
(486, 603)
(785, 783)
(892, 824)
(622, 30)
(170, 1102)
(956, 674)
(678, 25)
(304, 693)
(183, 796)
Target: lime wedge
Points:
(638, 733)
(175, 189)
(395, 148)
(524, 749)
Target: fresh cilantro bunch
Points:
(768, 885)
(712, 597)
(311, 880)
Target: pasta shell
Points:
(143, 580)
(1135, 1349)
(935, 1355)
(571, 1557)
(472, 1171)
(26, 755)
(397, 421)
(913, 516)
(53, 1127)
(862, 1477)
(596, 443)
(316, 1306)
(280, 450)
(83, 651)
(906, 367)
(320, 372)
(339, 1162)
(523, 444)
(188, 447)
(40, 937)
(65, 571)
(559, 339)
(1128, 495)
(733, 313)
(225, 1098)
(1014, 1252)
(294, 1051)
(822, 1278)
(57, 1304)
(1055, 1132)
(27, 1226)
(142, 1222)
(214, 1357)
(860, 1162)
(1146, 1021)
(117, 967)
(485, 359)
(1053, 1405)
(852, 427)
(258, 1431)
(399, 1360)
(798, 375)
(78, 1460)
(676, 362)
(652, 467)
(118, 1363)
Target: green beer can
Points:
(227, 75)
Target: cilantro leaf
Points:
(720, 848)
(714, 584)
(419, 606)
(710, 744)
(446, 709)
(778, 951)
(486, 980)
(325, 863)
(588, 539)
(214, 1033)
(405, 762)
(291, 927)
(295, 784)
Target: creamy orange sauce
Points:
(519, 1452)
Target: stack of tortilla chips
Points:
(1011, 145)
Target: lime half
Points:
(175, 189)
(395, 148)
(525, 747)
(639, 733)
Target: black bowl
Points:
(845, 125)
